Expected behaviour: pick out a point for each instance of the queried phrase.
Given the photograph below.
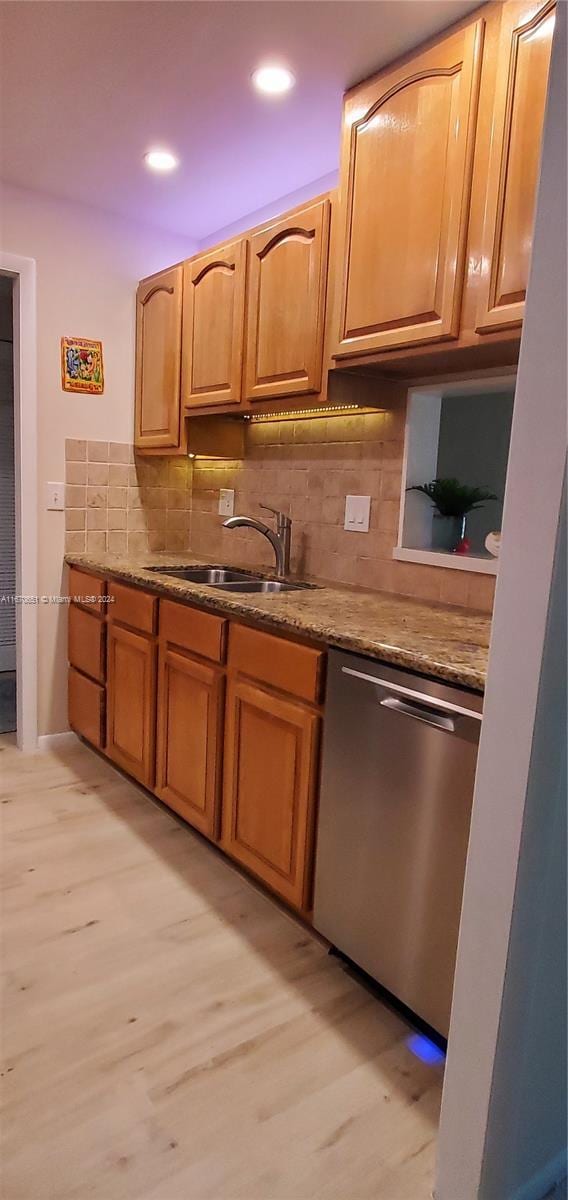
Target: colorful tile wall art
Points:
(82, 365)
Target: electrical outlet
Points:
(357, 513)
(55, 496)
(226, 502)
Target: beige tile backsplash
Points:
(117, 503)
(306, 467)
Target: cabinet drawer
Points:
(87, 590)
(283, 664)
(86, 700)
(132, 607)
(200, 632)
(86, 643)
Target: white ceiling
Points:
(88, 87)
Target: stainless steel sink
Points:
(264, 585)
(210, 575)
(229, 580)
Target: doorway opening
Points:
(7, 511)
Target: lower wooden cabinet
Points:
(221, 720)
(189, 740)
(131, 700)
(270, 773)
(86, 707)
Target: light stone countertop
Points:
(448, 643)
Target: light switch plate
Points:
(55, 496)
(357, 513)
(226, 502)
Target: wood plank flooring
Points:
(168, 1032)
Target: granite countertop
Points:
(434, 639)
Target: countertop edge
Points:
(227, 604)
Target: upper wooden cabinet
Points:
(213, 326)
(523, 61)
(158, 350)
(406, 167)
(286, 306)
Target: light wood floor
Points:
(171, 1034)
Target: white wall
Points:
(88, 263)
(527, 1123)
(484, 1063)
(326, 183)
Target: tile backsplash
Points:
(118, 503)
(122, 504)
(307, 468)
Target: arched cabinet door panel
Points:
(213, 326)
(407, 159)
(158, 354)
(286, 308)
(520, 98)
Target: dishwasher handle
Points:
(409, 694)
(420, 714)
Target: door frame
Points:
(23, 272)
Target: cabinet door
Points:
(213, 326)
(514, 158)
(86, 705)
(131, 702)
(188, 759)
(158, 360)
(406, 171)
(271, 751)
(286, 308)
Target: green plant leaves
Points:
(452, 498)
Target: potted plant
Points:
(453, 501)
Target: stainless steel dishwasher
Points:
(399, 757)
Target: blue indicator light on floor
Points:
(424, 1049)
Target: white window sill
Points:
(442, 558)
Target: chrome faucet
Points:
(280, 541)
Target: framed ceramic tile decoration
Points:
(82, 365)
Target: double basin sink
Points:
(228, 580)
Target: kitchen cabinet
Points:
(188, 760)
(271, 760)
(406, 170)
(286, 305)
(86, 708)
(220, 719)
(213, 326)
(523, 60)
(87, 643)
(271, 746)
(190, 714)
(131, 702)
(158, 422)
(86, 653)
(131, 681)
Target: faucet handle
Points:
(281, 517)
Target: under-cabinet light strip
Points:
(293, 414)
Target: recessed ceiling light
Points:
(273, 80)
(161, 160)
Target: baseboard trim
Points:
(50, 741)
(541, 1184)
